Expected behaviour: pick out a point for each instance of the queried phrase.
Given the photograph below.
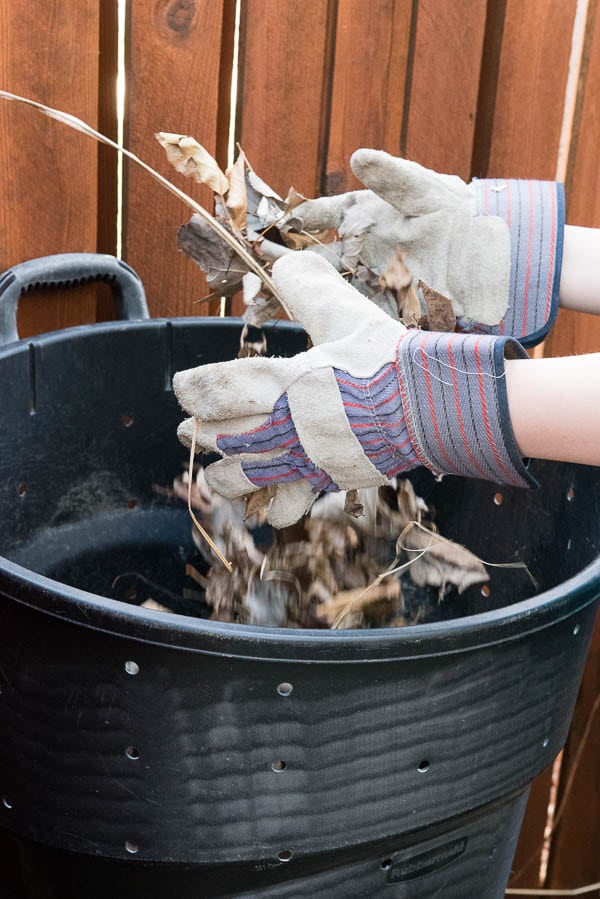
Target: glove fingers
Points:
(223, 391)
(409, 187)
(319, 298)
(208, 431)
(290, 503)
(228, 479)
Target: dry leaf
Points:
(443, 562)
(237, 197)
(259, 501)
(190, 158)
(440, 313)
(382, 600)
(353, 505)
(301, 240)
(398, 278)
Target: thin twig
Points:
(79, 125)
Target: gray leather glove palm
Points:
(369, 401)
(493, 246)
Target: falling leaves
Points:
(329, 570)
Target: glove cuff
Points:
(455, 401)
(535, 214)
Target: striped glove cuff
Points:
(455, 402)
(535, 214)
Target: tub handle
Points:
(69, 270)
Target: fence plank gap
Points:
(107, 157)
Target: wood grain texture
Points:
(577, 333)
(48, 176)
(533, 69)
(575, 859)
(526, 863)
(369, 82)
(445, 73)
(172, 67)
(284, 75)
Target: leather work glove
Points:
(494, 247)
(369, 401)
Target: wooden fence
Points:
(507, 88)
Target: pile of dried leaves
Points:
(330, 570)
(351, 564)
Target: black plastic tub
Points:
(157, 755)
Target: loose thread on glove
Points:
(206, 536)
(461, 371)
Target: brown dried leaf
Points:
(293, 199)
(398, 278)
(300, 240)
(440, 313)
(258, 501)
(353, 505)
(237, 197)
(443, 562)
(377, 603)
(190, 158)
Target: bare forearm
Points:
(554, 409)
(580, 274)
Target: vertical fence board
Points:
(48, 176)
(527, 860)
(575, 860)
(284, 60)
(445, 70)
(172, 69)
(575, 332)
(369, 83)
(531, 81)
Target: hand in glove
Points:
(493, 247)
(370, 400)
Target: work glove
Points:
(493, 247)
(369, 401)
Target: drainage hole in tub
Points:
(423, 766)
(386, 864)
(485, 590)
(285, 855)
(132, 667)
(7, 802)
(279, 765)
(284, 689)
(132, 753)
(131, 847)
(498, 499)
